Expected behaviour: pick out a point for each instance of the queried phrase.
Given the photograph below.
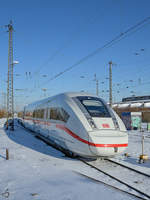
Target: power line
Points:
(133, 86)
(131, 30)
(90, 21)
(107, 45)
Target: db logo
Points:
(105, 125)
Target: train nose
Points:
(108, 143)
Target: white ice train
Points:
(80, 123)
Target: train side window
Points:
(47, 113)
(42, 113)
(59, 114)
(33, 114)
(65, 115)
(28, 114)
(53, 113)
(38, 113)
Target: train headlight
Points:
(115, 149)
(91, 122)
(115, 123)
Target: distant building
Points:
(138, 106)
(136, 98)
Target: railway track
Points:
(130, 178)
(109, 171)
(130, 168)
(111, 186)
(145, 136)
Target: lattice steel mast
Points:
(10, 97)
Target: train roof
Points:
(75, 94)
(65, 94)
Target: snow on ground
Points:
(39, 172)
(135, 150)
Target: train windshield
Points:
(94, 106)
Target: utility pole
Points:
(10, 97)
(97, 85)
(97, 88)
(110, 83)
(4, 100)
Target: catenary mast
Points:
(10, 97)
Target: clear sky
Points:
(52, 35)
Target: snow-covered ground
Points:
(37, 171)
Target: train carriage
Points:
(78, 122)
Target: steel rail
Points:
(82, 160)
(130, 168)
(111, 186)
(117, 179)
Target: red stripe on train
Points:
(85, 141)
(62, 127)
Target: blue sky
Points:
(52, 35)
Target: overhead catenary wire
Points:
(116, 39)
(131, 87)
(68, 43)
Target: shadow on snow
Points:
(27, 139)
